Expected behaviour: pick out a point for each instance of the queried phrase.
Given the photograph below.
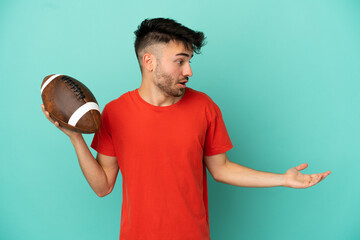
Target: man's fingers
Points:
(316, 178)
(56, 123)
(44, 111)
(301, 166)
(324, 175)
(47, 115)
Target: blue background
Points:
(284, 73)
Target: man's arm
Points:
(225, 171)
(101, 172)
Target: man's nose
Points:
(188, 71)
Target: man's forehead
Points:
(170, 49)
(179, 49)
(185, 54)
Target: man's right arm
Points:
(101, 172)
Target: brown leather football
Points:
(71, 103)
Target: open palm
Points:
(295, 179)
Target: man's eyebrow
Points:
(184, 54)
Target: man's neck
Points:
(156, 97)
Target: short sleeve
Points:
(217, 138)
(102, 141)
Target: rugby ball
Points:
(70, 103)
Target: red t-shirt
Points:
(160, 154)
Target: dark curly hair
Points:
(163, 30)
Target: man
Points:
(162, 137)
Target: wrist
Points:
(76, 137)
(281, 180)
(285, 182)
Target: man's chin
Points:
(181, 92)
(175, 92)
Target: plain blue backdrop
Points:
(285, 75)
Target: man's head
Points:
(163, 30)
(164, 49)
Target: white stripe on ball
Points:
(75, 117)
(48, 81)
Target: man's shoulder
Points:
(122, 100)
(200, 96)
(204, 101)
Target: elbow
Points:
(102, 194)
(218, 166)
(217, 177)
(220, 176)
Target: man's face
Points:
(173, 69)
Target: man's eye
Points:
(180, 62)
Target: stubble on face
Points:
(167, 83)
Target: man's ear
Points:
(149, 61)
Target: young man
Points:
(162, 136)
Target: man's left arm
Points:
(225, 171)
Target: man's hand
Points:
(295, 179)
(225, 171)
(101, 172)
(68, 132)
